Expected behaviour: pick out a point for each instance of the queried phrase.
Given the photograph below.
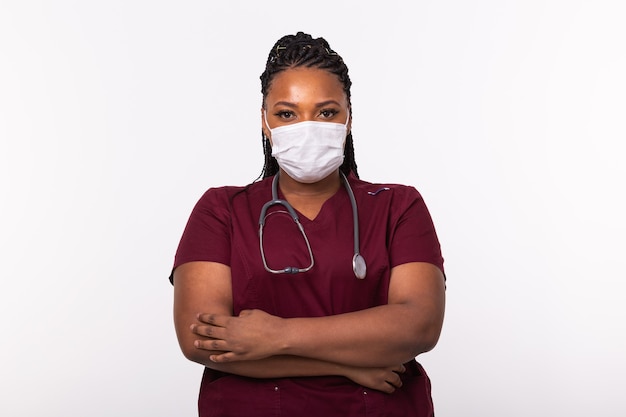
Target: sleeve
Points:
(207, 234)
(413, 237)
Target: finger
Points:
(211, 344)
(395, 380)
(399, 369)
(211, 318)
(388, 388)
(208, 331)
(197, 329)
(225, 357)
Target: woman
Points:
(315, 305)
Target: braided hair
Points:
(301, 50)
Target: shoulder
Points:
(223, 197)
(389, 200)
(398, 193)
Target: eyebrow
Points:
(294, 105)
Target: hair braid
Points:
(301, 50)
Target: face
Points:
(304, 94)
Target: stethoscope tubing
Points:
(358, 262)
(289, 269)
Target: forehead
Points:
(302, 83)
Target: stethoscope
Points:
(358, 262)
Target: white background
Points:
(508, 116)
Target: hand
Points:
(380, 379)
(252, 335)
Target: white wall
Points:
(116, 115)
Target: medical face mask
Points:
(309, 151)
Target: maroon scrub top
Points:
(395, 228)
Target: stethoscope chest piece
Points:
(358, 265)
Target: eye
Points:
(328, 113)
(285, 114)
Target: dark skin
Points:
(258, 344)
(298, 95)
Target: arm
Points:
(381, 336)
(206, 286)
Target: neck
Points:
(327, 186)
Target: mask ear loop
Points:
(267, 144)
(266, 123)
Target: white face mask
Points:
(309, 151)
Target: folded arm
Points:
(206, 286)
(377, 337)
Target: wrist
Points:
(288, 337)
